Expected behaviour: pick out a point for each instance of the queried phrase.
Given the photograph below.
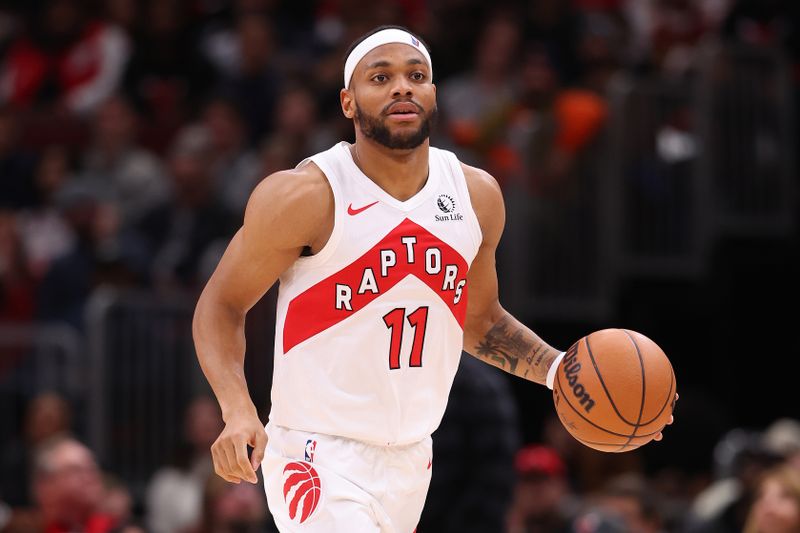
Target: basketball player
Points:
(385, 254)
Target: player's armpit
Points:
(286, 212)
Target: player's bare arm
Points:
(286, 212)
(490, 332)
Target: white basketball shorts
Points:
(326, 484)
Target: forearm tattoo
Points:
(511, 346)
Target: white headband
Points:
(392, 35)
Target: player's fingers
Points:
(220, 460)
(231, 468)
(259, 445)
(240, 462)
(658, 437)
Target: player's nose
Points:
(402, 86)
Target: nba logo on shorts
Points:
(311, 446)
(301, 490)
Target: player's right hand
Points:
(229, 451)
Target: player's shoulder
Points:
(292, 206)
(487, 201)
(304, 188)
(484, 191)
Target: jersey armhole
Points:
(333, 241)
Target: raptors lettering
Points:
(408, 250)
(388, 260)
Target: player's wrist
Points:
(551, 372)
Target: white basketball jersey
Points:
(370, 329)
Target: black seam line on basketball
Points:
(603, 383)
(644, 378)
(611, 443)
(566, 399)
(615, 443)
(670, 393)
(620, 446)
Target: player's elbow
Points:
(212, 313)
(478, 322)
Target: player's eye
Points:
(380, 78)
(417, 76)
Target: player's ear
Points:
(348, 103)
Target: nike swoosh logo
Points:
(351, 211)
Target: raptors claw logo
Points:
(301, 490)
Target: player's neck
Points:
(401, 173)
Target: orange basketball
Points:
(614, 390)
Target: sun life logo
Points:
(446, 203)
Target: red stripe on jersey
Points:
(314, 310)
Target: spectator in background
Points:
(548, 128)
(124, 14)
(539, 147)
(234, 508)
(256, 80)
(557, 25)
(298, 132)
(118, 504)
(677, 31)
(67, 59)
(782, 437)
(68, 488)
(469, 101)
(776, 508)
(129, 177)
(543, 500)
(48, 416)
(185, 234)
(174, 497)
(740, 460)
(167, 76)
(234, 164)
(101, 253)
(45, 233)
(629, 498)
(17, 286)
(16, 165)
(473, 454)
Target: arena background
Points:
(647, 151)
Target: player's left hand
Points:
(671, 419)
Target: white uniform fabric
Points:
(369, 329)
(316, 483)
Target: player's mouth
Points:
(403, 111)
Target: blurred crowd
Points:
(132, 133)
(485, 480)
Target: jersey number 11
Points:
(394, 321)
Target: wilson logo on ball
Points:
(301, 490)
(571, 370)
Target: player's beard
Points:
(376, 129)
